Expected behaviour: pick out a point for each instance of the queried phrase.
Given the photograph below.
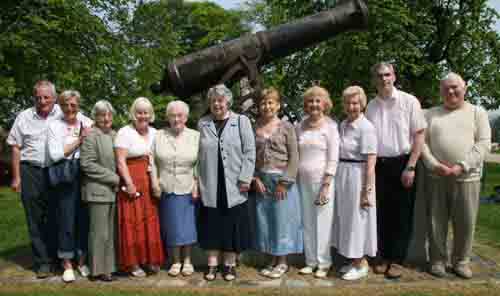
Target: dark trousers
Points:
(395, 205)
(39, 208)
(72, 221)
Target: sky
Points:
(228, 4)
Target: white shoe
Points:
(68, 276)
(138, 272)
(83, 270)
(345, 268)
(175, 269)
(266, 271)
(321, 273)
(307, 270)
(355, 273)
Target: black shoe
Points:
(229, 273)
(211, 273)
(107, 278)
(43, 272)
(102, 278)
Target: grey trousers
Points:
(458, 202)
(102, 238)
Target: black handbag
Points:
(66, 170)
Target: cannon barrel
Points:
(200, 70)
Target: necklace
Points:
(310, 124)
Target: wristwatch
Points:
(410, 168)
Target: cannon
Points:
(229, 61)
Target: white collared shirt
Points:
(29, 133)
(60, 133)
(396, 120)
(357, 139)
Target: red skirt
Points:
(139, 240)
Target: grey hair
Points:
(179, 104)
(220, 90)
(352, 91)
(138, 102)
(101, 106)
(453, 76)
(45, 83)
(377, 66)
(69, 94)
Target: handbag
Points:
(66, 170)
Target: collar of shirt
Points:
(394, 96)
(355, 123)
(53, 113)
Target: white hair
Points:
(142, 102)
(220, 90)
(177, 104)
(45, 83)
(453, 76)
(101, 106)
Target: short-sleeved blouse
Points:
(357, 139)
(128, 138)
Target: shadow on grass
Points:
(19, 255)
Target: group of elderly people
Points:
(147, 192)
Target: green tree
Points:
(423, 38)
(66, 41)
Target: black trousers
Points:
(39, 207)
(395, 205)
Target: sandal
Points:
(175, 269)
(278, 271)
(211, 274)
(187, 269)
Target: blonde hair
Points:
(67, 94)
(352, 91)
(270, 93)
(318, 91)
(142, 101)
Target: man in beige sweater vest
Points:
(457, 140)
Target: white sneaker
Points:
(321, 273)
(355, 273)
(266, 271)
(345, 268)
(175, 269)
(68, 276)
(83, 270)
(307, 270)
(138, 272)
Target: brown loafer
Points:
(394, 271)
(380, 268)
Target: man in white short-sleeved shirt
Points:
(30, 160)
(400, 125)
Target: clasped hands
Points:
(279, 194)
(445, 169)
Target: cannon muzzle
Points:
(244, 56)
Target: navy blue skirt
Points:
(177, 220)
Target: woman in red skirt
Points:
(138, 223)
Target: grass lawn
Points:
(14, 242)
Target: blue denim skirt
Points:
(278, 223)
